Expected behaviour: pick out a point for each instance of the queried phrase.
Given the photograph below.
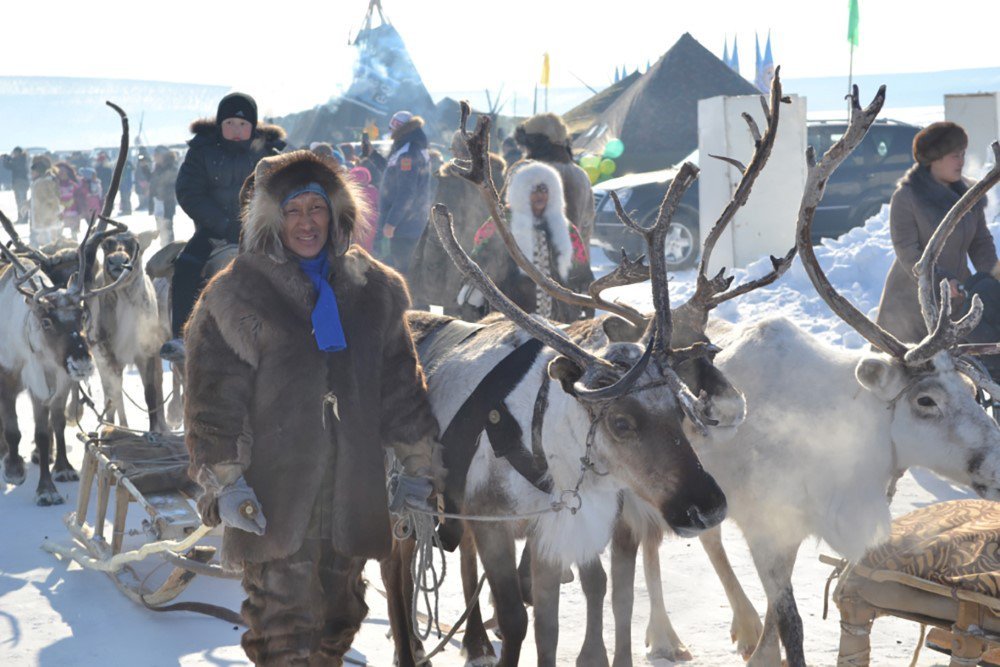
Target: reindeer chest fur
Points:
(129, 324)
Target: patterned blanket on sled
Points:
(956, 544)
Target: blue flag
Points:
(765, 66)
(734, 61)
(725, 51)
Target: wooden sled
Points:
(149, 470)
(939, 568)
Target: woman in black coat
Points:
(223, 152)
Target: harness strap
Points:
(485, 410)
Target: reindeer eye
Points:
(47, 324)
(622, 425)
(926, 402)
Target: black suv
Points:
(856, 192)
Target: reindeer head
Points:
(123, 251)
(930, 387)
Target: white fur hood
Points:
(522, 182)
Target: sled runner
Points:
(940, 568)
(147, 469)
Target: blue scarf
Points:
(326, 315)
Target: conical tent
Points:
(656, 117)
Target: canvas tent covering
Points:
(656, 116)
(385, 80)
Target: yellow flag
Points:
(545, 70)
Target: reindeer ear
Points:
(146, 238)
(877, 376)
(620, 330)
(566, 372)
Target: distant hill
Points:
(922, 89)
(62, 113)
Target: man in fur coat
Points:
(545, 138)
(222, 154)
(537, 220)
(434, 279)
(301, 374)
(924, 195)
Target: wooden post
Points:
(87, 472)
(122, 498)
(967, 643)
(856, 618)
(104, 479)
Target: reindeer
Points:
(799, 466)
(601, 421)
(45, 352)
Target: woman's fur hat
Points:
(278, 176)
(937, 140)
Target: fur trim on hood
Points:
(265, 131)
(278, 176)
(409, 126)
(522, 221)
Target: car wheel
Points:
(682, 243)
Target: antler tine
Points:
(778, 267)
(706, 290)
(79, 285)
(544, 332)
(946, 334)
(26, 274)
(20, 245)
(479, 173)
(116, 178)
(980, 378)
(924, 268)
(861, 120)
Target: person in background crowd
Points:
(350, 156)
(91, 193)
(105, 170)
(143, 172)
(17, 163)
(404, 194)
(70, 196)
(161, 188)
(371, 159)
(222, 154)
(365, 229)
(510, 151)
(924, 195)
(434, 278)
(322, 149)
(79, 160)
(45, 220)
(537, 219)
(298, 317)
(546, 139)
(125, 189)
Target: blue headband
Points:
(313, 187)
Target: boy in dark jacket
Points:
(223, 152)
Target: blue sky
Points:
(293, 53)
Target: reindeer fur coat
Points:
(262, 400)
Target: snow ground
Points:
(54, 613)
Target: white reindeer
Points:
(126, 327)
(828, 430)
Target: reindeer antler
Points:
(711, 292)
(819, 173)
(19, 245)
(116, 178)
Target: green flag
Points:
(852, 23)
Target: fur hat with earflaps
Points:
(937, 140)
(278, 176)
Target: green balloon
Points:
(608, 167)
(593, 173)
(590, 161)
(614, 149)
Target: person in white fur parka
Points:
(536, 215)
